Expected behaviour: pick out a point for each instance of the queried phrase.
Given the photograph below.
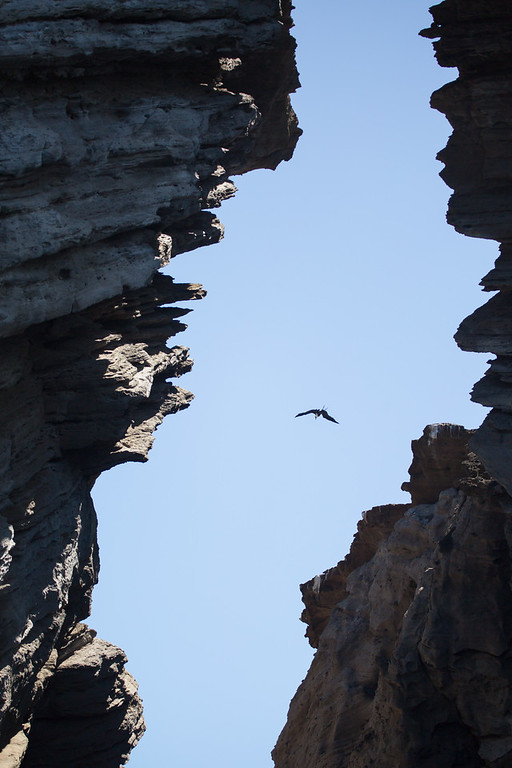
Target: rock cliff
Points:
(476, 37)
(414, 627)
(121, 125)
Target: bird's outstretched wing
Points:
(305, 413)
(326, 416)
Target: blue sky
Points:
(338, 284)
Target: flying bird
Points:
(318, 412)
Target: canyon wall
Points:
(121, 124)
(413, 629)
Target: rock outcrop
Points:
(414, 627)
(121, 125)
(476, 38)
(90, 708)
(413, 630)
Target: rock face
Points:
(121, 124)
(414, 627)
(90, 708)
(476, 38)
(413, 630)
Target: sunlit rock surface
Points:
(121, 124)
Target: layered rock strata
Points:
(476, 37)
(93, 694)
(413, 630)
(121, 124)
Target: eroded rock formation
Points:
(414, 627)
(476, 38)
(121, 124)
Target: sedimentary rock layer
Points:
(476, 38)
(121, 124)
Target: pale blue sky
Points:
(338, 283)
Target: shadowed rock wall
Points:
(120, 125)
(476, 37)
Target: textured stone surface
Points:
(12, 755)
(321, 593)
(441, 459)
(136, 136)
(91, 708)
(121, 122)
(476, 37)
(412, 668)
